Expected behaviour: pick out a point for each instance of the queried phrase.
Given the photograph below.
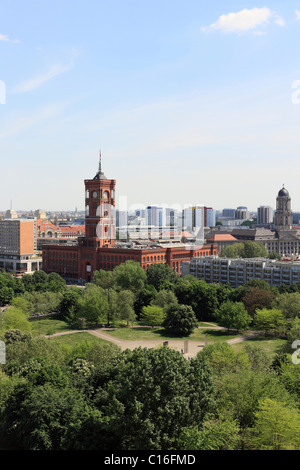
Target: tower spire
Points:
(100, 162)
(100, 174)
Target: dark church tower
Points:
(283, 219)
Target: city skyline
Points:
(192, 104)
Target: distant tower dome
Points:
(283, 192)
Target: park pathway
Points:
(189, 348)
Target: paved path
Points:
(192, 346)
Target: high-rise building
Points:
(11, 214)
(156, 216)
(242, 213)
(264, 215)
(18, 246)
(228, 213)
(193, 217)
(209, 216)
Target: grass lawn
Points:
(271, 346)
(148, 333)
(74, 339)
(43, 326)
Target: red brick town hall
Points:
(98, 247)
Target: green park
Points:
(141, 360)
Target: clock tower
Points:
(283, 219)
(100, 228)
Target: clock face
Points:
(95, 194)
(105, 194)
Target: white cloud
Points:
(36, 82)
(39, 80)
(279, 20)
(4, 38)
(19, 122)
(297, 14)
(245, 20)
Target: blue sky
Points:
(190, 103)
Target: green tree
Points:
(269, 320)
(202, 297)
(102, 354)
(40, 280)
(21, 303)
(180, 320)
(28, 282)
(44, 418)
(235, 250)
(259, 360)
(14, 319)
(293, 334)
(152, 315)
(254, 250)
(158, 275)
(289, 375)
(55, 283)
(277, 427)
(257, 298)
(125, 304)
(165, 299)
(238, 393)
(274, 255)
(249, 249)
(223, 358)
(18, 353)
(11, 336)
(155, 392)
(143, 298)
(233, 315)
(106, 280)
(43, 302)
(6, 295)
(70, 300)
(94, 305)
(130, 275)
(217, 434)
(289, 304)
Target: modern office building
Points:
(18, 246)
(156, 216)
(242, 213)
(210, 217)
(264, 215)
(237, 272)
(228, 213)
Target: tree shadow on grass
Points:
(221, 333)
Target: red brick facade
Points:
(96, 250)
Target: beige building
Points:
(283, 237)
(18, 246)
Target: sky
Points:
(189, 102)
